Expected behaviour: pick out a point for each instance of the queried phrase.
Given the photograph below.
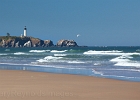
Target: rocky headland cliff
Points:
(14, 41)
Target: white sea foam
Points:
(49, 58)
(126, 77)
(60, 55)
(96, 72)
(52, 58)
(113, 52)
(135, 64)
(76, 62)
(56, 51)
(134, 70)
(39, 51)
(138, 50)
(14, 64)
(120, 59)
(2, 54)
(125, 60)
(7, 49)
(20, 53)
(42, 60)
(96, 64)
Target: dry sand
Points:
(24, 85)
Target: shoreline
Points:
(30, 85)
(63, 71)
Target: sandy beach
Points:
(25, 85)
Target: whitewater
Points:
(121, 63)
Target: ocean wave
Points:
(134, 64)
(123, 77)
(3, 54)
(116, 76)
(20, 53)
(49, 59)
(120, 59)
(134, 70)
(125, 60)
(52, 58)
(113, 52)
(76, 62)
(60, 55)
(14, 64)
(97, 64)
(39, 51)
(56, 51)
(138, 50)
(7, 49)
(97, 72)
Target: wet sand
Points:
(25, 85)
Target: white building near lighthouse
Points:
(25, 31)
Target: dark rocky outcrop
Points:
(28, 44)
(36, 42)
(67, 43)
(48, 43)
(13, 41)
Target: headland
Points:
(24, 41)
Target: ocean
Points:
(122, 63)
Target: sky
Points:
(99, 22)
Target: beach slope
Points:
(24, 85)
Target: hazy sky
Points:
(99, 22)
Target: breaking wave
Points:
(39, 51)
(20, 53)
(76, 62)
(60, 55)
(97, 72)
(56, 51)
(49, 58)
(125, 60)
(113, 52)
(2, 54)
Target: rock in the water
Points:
(36, 42)
(48, 43)
(66, 43)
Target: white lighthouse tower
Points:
(25, 31)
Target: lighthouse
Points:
(25, 31)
